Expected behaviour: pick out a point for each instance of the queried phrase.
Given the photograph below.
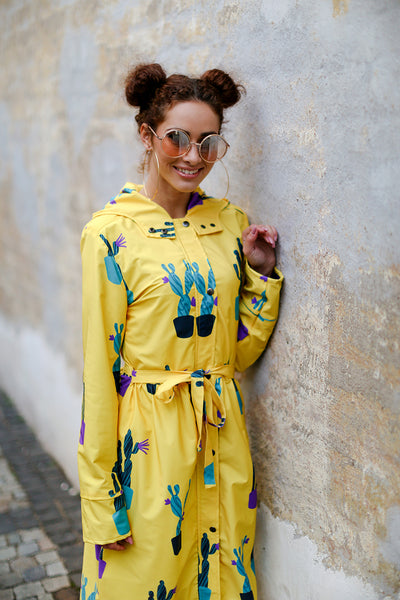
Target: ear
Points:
(146, 136)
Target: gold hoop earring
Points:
(227, 179)
(149, 152)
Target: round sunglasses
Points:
(176, 143)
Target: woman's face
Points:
(185, 173)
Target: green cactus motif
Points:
(184, 304)
(206, 551)
(114, 273)
(239, 563)
(162, 592)
(179, 510)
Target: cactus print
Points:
(239, 563)
(162, 592)
(179, 510)
(113, 269)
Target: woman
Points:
(173, 302)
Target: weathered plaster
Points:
(314, 150)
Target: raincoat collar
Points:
(203, 212)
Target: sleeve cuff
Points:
(102, 523)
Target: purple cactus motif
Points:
(99, 558)
(243, 332)
(263, 277)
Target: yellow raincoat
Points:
(170, 310)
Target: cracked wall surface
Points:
(314, 150)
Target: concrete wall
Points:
(315, 150)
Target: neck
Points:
(173, 201)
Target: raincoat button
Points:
(152, 230)
(213, 529)
(185, 223)
(210, 291)
(165, 231)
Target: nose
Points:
(193, 153)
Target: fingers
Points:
(267, 232)
(120, 545)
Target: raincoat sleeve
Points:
(104, 307)
(258, 311)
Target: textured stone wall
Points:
(314, 150)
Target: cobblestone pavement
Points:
(40, 523)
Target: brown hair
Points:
(148, 87)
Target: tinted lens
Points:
(175, 143)
(213, 147)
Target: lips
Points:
(188, 172)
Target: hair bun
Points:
(142, 83)
(227, 90)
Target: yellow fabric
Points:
(170, 309)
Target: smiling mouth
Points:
(188, 171)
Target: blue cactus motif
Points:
(113, 269)
(121, 477)
(206, 551)
(184, 304)
(93, 595)
(207, 302)
(239, 563)
(162, 592)
(238, 270)
(179, 510)
(117, 339)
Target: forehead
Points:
(192, 116)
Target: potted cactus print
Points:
(117, 339)
(122, 480)
(205, 322)
(178, 510)
(247, 594)
(114, 273)
(206, 551)
(238, 270)
(184, 322)
(99, 557)
(162, 592)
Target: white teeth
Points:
(188, 172)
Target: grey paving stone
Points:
(22, 563)
(53, 584)
(44, 558)
(3, 541)
(34, 573)
(6, 595)
(56, 568)
(27, 590)
(4, 568)
(31, 535)
(7, 553)
(28, 549)
(13, 539)
(10, 580)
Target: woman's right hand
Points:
(120, 545)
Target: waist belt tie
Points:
(208, 406)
